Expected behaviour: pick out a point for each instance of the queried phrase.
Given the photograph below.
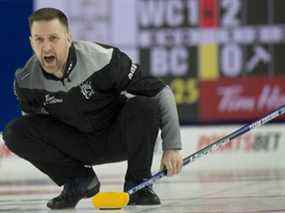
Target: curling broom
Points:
(118, 200)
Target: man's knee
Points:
(13, 133)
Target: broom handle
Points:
(212, 147)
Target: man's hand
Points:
(172, 161)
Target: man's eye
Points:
(39, 40)
(53, 38)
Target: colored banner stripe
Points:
(208, 53)
(209, 13)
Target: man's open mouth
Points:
(49, 59)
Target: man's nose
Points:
(47, 46)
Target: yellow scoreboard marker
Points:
(208, 62)
(208, 52)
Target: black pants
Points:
(62, 152)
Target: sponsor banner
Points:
(260, 149)
(252, 142)
(240, 99)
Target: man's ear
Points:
(69, 38)
(31, 42)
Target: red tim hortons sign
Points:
(240, 99)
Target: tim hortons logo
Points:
(233, 99)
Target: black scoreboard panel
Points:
(260, 14)
(177, 39)
(278, 14)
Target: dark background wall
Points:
(15, 50)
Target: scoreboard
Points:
(222, 58)
(197, 46)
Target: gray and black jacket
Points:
(93, 89)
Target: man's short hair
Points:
(48, 14)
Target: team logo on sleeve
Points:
(87, 90)
(132, 71)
